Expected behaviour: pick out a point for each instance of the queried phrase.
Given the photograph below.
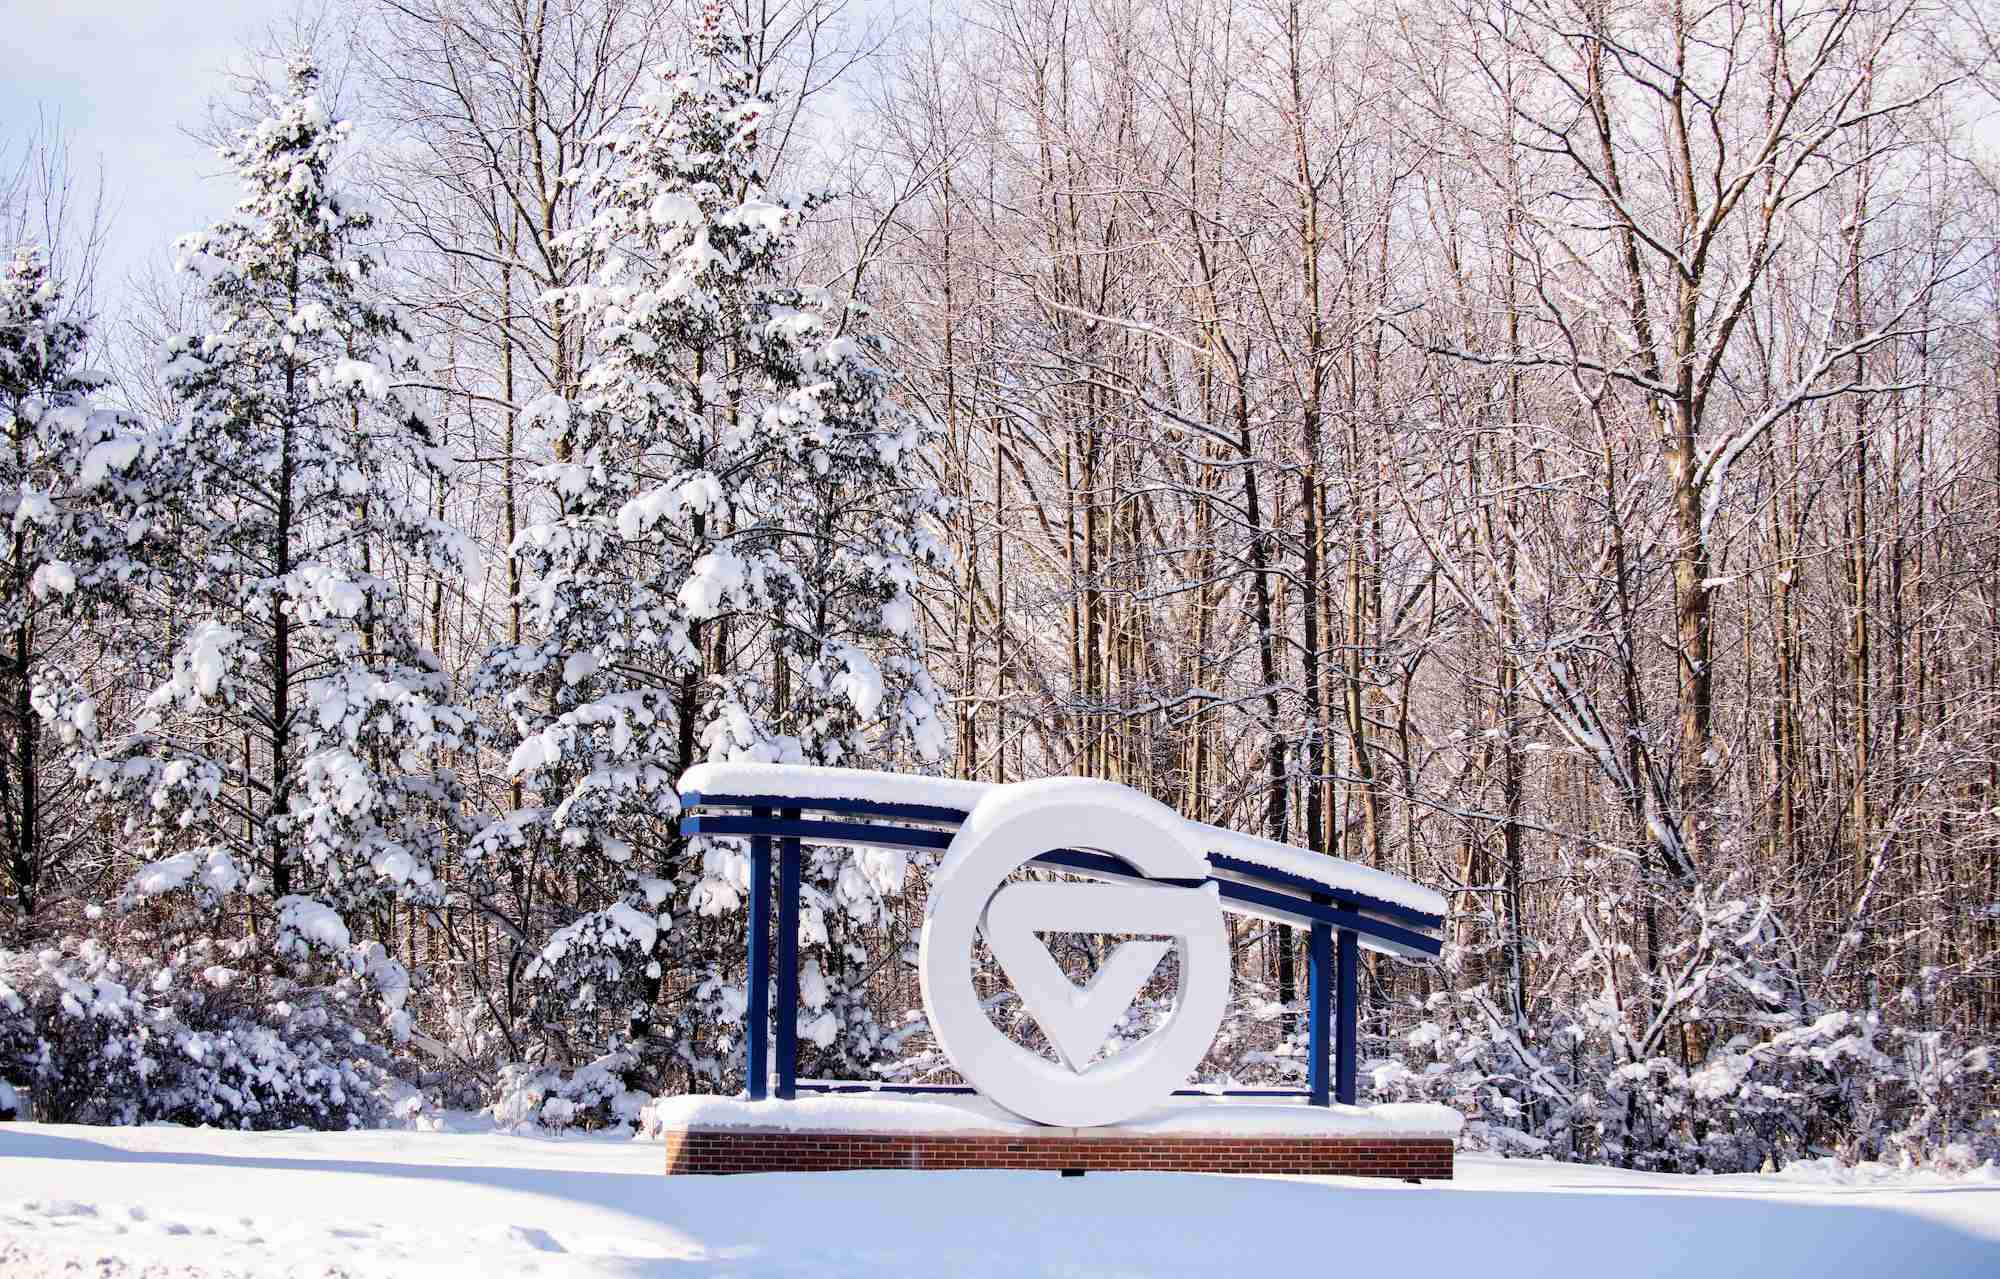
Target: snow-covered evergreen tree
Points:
(291, 764)
(74, 521)
(734, 518)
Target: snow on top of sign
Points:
(1182, 1116)
(801, 781)
(1331, 871)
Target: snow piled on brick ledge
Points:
(1183, 1117)
(800, 781)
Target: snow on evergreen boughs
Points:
(76, 514)
(735, 516)
(293, 757)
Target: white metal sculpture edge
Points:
(970, 897)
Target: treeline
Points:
(1547, 450)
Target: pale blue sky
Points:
(127, 78)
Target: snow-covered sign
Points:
(972, 892)
(1153, 877)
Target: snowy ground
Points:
(177, 1202)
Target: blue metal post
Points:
(1346, 1007)
(1319, 993)
(759, 1013)
(788, 963)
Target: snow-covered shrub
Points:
(594, 1095)
(1756, 1073)
(1768, 1075)
(198, 1038)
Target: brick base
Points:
(734, 1150)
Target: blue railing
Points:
(1336, 918)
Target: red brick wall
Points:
(732, 1150)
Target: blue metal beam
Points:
(1301, 884)
(1238, 1092)
(962, 1090)
(843, 1086)
(1310, 912)
(840, 807)
(758, 1014)
(1320, 913)
(788, 963)
(1273, 890)
(817, 832)
(1319, 988)
(1320, 910)
(1345, 1012)
(1104, 864)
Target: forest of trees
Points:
(1548, 449)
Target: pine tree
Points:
(291, 763)
(74, 514)
(725, 572)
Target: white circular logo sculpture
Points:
(970, 896)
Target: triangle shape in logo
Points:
(1075, 1018)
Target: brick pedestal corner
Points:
(736, 1150)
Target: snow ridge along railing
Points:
(1344, 907)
